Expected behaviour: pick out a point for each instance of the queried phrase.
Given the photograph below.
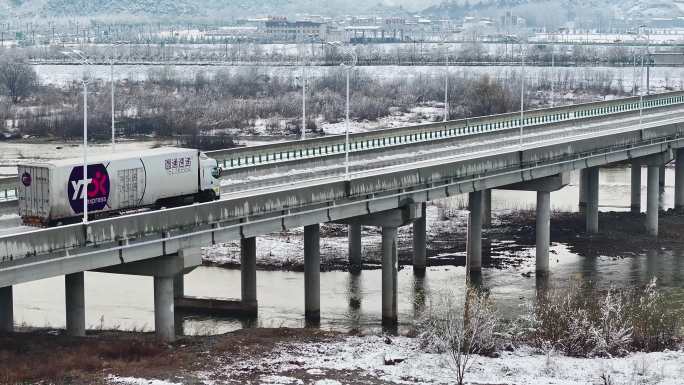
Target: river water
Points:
(353, 302)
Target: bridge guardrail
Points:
(331, 145)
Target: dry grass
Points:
(32, 357)
(37, 357)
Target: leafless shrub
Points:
(463, 331)
(581, 320)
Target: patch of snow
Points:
(523, 366)
(280, 380)
(137, 381)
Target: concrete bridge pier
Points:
(74, 291)
(419, 241)
(543, 187)
(583, 183)
(653, 199)
(178, 296)
(653, 193)
(474, 241)
(679, 181)
(355, 262)
(592, 204)
(635, 192)
(248, 279)
(389, 221)
(389, 275)
(6, 309)
(164, 270)
(179, 286)
(487, 208)
(661, 187)
(543, 231)
(164, 308)
(312, 273)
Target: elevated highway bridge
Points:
(392, 174)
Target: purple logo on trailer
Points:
(26, 179)
(98, 188)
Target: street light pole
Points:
(522, 94)
(348, 51)
(446, 82)
(346, 133)
(303, 103)
(86, 181)
(111, 81)
(79, 56)
(553, 77)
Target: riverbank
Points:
(507, 242)
(301, 356)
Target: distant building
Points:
(280, 29)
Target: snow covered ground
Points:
(523, 366)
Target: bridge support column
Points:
(543, 231)
(419, 244)
(179, 286)
(312, 273)
(74, 291)
(164, 309)
(389, 275)
(6, 309)
(355, 262)
(661, 187)
(592, 204)
(248, 279)
(679, 181)
(636, 187)
(583, 183)
(474, 246)
(487, 208)
(653, 198)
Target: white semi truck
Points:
(52, 193)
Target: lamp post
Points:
(303, 102)
(112, 51)
(522, 93)
(303, 136)
(445, 42)
(445, 38)
(648, 85)
(553, 71)
(80, 57)
(348, 63)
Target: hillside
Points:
(579, 10)
(201, 8)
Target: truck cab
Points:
(210, 174)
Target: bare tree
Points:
(17, 78)
(463, 331)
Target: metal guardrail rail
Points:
(334, 145)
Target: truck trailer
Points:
(52, 192)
